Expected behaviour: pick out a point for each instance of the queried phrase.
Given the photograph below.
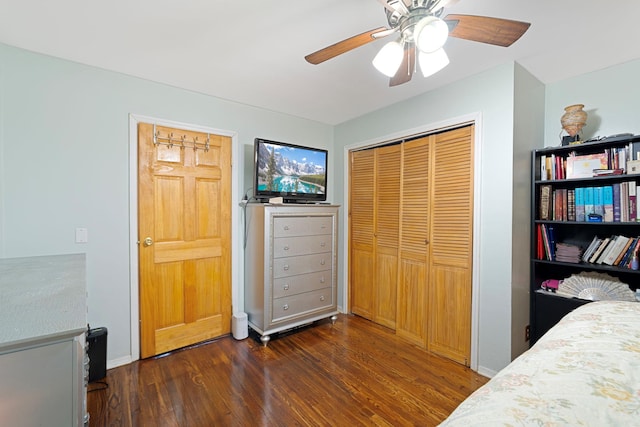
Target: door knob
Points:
(148, 241)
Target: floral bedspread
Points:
(585, 371)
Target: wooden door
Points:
(451, 243)
(361, 258)
(386, 212)
(184, 197)
(413, 255)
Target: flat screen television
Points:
(296, 173)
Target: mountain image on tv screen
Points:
(291, 170)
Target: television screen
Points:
(293, 172)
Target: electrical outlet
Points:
(527, 332)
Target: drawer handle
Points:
(286, 287)
(286, 227)
(322, 279)
(322, 262)
(286, 248)
(321, 297)
(285, 307)
(323, 244)
(286, 267)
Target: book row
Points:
(616, 250)
(608, 203)
(611, 161)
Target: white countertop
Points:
(41, 298)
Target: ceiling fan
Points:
(422, 30)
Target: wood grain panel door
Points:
(361, 247)
(184, 221)
(451, 243)
(413, 255)
(387, 213)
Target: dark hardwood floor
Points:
(351, 373)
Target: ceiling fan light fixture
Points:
(431, 63)
(388, 60)
(430, 34)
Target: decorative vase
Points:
(573, 119)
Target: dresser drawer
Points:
(293, 285)
(289, 226)
(292, 266)
(301, 303)
(302, 245)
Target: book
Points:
(624, 202)
(566, 252)
(588, 201)
(598, 251)
(633, 211)
(552, 243)
(591, 248)
(539, 244)
(543, 168)
(629, 252)
(545, 242)
(606, 172)
(583, 166)
(616, 202)
(598, 201)
(571, 204)
(607, 250)
(617, 247)
(623, 252)
(545, 202)
(607, 203)
(580, 204)
(634, 152)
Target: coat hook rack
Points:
(183, 142)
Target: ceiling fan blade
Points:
(405, 72)
(484, 29)
(343, 46)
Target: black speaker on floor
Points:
(97, 352)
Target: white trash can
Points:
(240, 326)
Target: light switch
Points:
(82, 236)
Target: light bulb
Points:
(388, 60)
(431, 63)
(430, 34)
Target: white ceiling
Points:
(252, 51)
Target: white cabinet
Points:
(290, 266)
(43, 313)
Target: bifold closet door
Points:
(374, 213)
(386, 214)
(361, 215)
(414, 234)
(451, 244)
(411, 224)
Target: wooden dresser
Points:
(290, 266)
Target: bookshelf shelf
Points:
(561, 205)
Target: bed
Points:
(585, 371)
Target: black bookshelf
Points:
(547, 308)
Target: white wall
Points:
(489, 94)
(64, 163)
(528, 135)
(611, 98)
(64, 153)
